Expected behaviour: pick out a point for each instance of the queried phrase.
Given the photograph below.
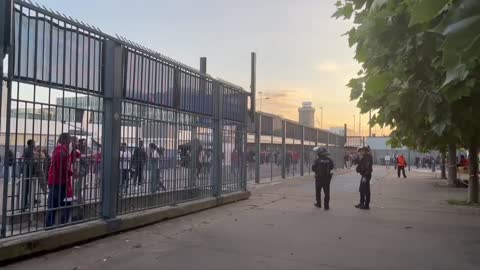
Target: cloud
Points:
(334, 67)
(285, 102)
(328, 67)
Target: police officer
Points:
(322, 168)
(364, 168)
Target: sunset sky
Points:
(301, 54)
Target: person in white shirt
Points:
(387, 161)
(125, 159)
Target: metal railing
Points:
(285, 148)
(146, 131)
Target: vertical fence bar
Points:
(6, 11)
(112, 104)
(284, 148)
(217, 175)
(258, 131)
(302, 150)
(270, 153)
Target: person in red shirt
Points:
(59, 177)
(401, 164)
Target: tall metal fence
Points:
(94, 126)
(285, 148)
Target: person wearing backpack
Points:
(322, 167)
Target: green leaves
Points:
(378, 4)
(420, 67)
(375, 84)
(453, 94)
(458, 73)
(425, 10)
(344, 11)
(357, 88)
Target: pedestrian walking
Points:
(395, 159)
(251, 164)
(401, 164)
(365, 168)
(9, 163)
(58, 175)
(39, 172)
(322, 167)
(27, 170)
(125, 159)
(138, 160)
(387, 161)
(155, 155)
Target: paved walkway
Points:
(410, 226)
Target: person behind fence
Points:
(251, 164)
(39, 173)
(401, 164)
(322, 167)
(155, 157)
(9, 162)
(46, 166)
(138, 159)
(125, 159)
(83, 168)
(387, 161)
(235, 160)
(58, 178)
(27, 171)
(364, 168)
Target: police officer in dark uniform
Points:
(364, 168)
(322, 168)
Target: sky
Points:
(301, 53)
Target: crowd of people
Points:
(71, 175)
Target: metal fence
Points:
(285, 148)
(94, 126)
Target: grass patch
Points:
(463, 203)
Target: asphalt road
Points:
(410, 226)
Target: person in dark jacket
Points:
(139, 159)
(364, 168)
(28, 173)
(322, 167)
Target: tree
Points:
(420, 60)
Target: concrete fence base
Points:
(27, 245)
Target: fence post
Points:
(112, 104)
(284, 148)
(5, 46)
(258, 132)
(217, 149)
(302, 151)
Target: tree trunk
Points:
(473, 169)
(452, 164)
(443, 167)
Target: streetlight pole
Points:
(261, 99)
(369, 125)
(359, 124)
(321, 117)
(354, 124)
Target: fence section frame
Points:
(112, 104)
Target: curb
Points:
(42, 242)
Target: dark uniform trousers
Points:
(365, 190)
(323, 183)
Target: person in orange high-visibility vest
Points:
(401, 164)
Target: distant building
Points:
(306, 114)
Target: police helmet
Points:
(365, 148)
(320, 150)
